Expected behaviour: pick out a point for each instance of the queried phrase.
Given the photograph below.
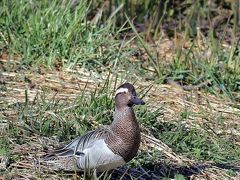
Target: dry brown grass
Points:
(65, 85)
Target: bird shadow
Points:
(164, 170)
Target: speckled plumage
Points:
(126, 126)
(107, 147)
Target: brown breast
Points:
(126, 130)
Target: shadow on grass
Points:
(166, 171)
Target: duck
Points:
(107, 147)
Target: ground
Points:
(201, 112)
(61, 61)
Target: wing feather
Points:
(78, 145)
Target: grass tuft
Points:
(54, 34)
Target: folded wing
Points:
(88, 151)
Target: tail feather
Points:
(61, 159)
(58, 164)
(58, 153)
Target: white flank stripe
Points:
(121, 90)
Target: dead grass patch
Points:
(65, 85)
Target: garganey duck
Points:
(107, 147)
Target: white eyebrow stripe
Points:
(121, 90)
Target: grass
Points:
(193, 67)
(40, 40)
(194, 143)
(52, 34)
(49, 117)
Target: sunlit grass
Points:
(53, 34)
(57, 35)
(66, 120)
